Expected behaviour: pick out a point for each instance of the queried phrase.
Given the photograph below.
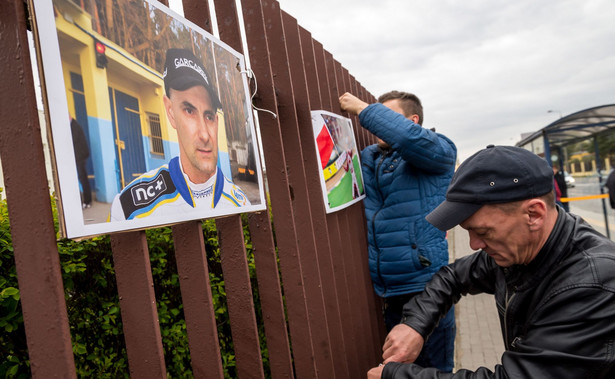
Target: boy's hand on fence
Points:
(352, 104)
(403, 344)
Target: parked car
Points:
(569, 179)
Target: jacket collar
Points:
(182, 186)
(551, 253)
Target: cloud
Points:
(485, 70)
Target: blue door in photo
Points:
(128, 136)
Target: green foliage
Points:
(93, 307)
(13, 349)
(606, 147)
(94, 311)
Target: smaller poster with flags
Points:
(340, 173)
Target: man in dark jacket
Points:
(610, 184)
(406, 175)
(552, 275)
(560, 179)
(82, 153)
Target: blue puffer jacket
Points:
(403, 185)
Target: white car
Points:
(570, 182)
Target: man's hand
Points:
(403, 344)
(375, 373)
(352, 104)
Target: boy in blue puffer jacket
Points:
(406, 175)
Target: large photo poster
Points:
(151, 119)
(340, 174)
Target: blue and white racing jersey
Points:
(167, 190)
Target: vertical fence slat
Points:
(355, 223)
(270, 293)
(370, 138)
(197, 11)
(301, 204)
(353, 88)
(228, 24)
(351, 325)
(358, 217)
(36, 259)
(265, 258)
(365, 346)
(347, 88)
(367, 97)
(374, 303)
(344, 255)
(197, 301)
(230, 233)
(312, 76)
(328, 102)
(370, 311)
(296, 61)
(364, 133)
(192, 268)
(331, 102)
(348, 253)
(232, 248)
(281, 202)
(316, 77)
(135, 287)
(239, 297)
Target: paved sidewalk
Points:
(479, 337)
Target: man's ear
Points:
(536, 209)
(167, 106)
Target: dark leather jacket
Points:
(557, 313)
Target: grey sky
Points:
(486, 70)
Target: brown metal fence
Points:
(325, 324)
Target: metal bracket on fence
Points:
(250, 74)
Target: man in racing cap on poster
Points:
(193, 179)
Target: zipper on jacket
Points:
(374, 227)
(506, 304)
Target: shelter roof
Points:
(576, 127)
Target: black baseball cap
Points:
(494, 175)
(182, 70)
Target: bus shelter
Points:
(588, 124)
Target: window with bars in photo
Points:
(155, 132)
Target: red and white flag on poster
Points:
(325, 145)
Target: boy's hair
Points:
(409, 103)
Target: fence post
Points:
(233, 256)
(281, 201)
(265, 258)
(293, 151)
(135, 288)
(29, 206)
(337, 86)
(358, 215)
(356, 222)
(296, 63)
(239, 297)
(323, 101)
(270, 293)
(202, 331)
